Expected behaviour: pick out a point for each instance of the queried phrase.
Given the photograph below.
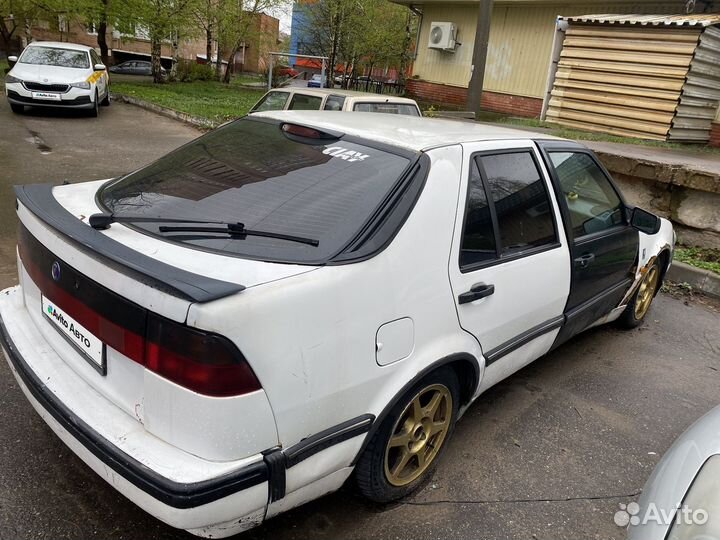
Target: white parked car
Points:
(50, 74)
(325, 99)
(297, 298)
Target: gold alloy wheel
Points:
(418, 435)
(646, 292)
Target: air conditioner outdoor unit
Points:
(442, 36)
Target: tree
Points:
(237, 23)
(162, 20)
(15, 17)
(357, 32)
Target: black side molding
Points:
(522, 339)
(39, 200)
(327, 438)
(175, 494)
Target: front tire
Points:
(639, 304)
(95, 109)
(106, 100)
(404, 451)
(17, 109)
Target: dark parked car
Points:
(135, 67)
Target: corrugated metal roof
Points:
(699, 19)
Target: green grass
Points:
(706, 258)
(211, 100)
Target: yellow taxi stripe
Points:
(95, 76)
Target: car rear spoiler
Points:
(39, 199)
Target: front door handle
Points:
(476, 292)
(584, 260)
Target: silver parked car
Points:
(681, 500)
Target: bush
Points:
(188, 71)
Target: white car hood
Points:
(49, 74)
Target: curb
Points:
(704, 281)
(194, 121)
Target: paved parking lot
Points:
(547, 454)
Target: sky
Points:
(284, 13)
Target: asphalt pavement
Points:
(549, 453)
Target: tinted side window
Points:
(95, 58)
(522, 204)
(272, 101)
(478, 241)
(334, 103)
(592, 201)
(303, 102)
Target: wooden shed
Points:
(647, 76)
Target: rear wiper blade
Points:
(235, 230)
(238, 230)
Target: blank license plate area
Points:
(89, 345)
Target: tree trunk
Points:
(7, 34)
(175, 56)
(155, 53)
(230, 63)
(208, 45)
(218, 63)
(102, 39)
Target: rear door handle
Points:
(476, 292)
(585, 260)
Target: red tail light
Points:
(206, 363)
(200, 361)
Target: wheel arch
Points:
(664, 257)
(467, 369)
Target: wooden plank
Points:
(624, 67)
(621, 132)
(662, 47)
(675, 35)
(628, 56)
(618, 89)
(666, 105)
(607, 110)
(586, 118)
(648, 82)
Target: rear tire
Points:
(639, 304)
(17, 109)
(404, 451)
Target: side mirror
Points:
(99, 67)
(644, 221)
(12, 59)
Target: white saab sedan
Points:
(49, 74)
(297, 298)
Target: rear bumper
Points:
(190, 493)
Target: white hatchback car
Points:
(325, 99)
(295, 298)
(50, 74)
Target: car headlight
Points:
(84, 85)
(11, 79)
(699, 515)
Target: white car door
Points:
(510, 264)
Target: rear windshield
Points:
(47, 56)
(272, 101)
(389, 108)
(250, 172)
